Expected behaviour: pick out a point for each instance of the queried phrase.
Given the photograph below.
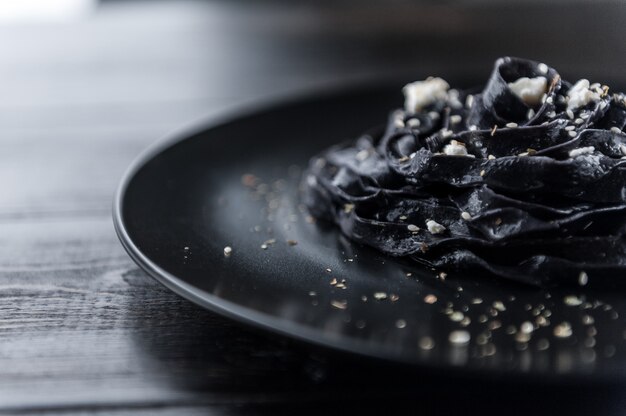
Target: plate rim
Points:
(259, 320)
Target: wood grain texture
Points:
(82, 329)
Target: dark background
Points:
(83, 330)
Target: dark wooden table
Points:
(84, 331)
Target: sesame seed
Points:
(543, 344)
(426, 343)
(473, 127)
(430, 299)
(569, 128)
(228, 250)
(583, 279)
(491, 157)
(413, 122)
(579, 121)
(616, 130)
(522, 337)
(572, 301)
(469, 101)
(434, 115)
(511, 125)
(482, 172)
(400, 323)
(466, 215)
(571, 133)
(380, 295)
(328, 270)
(499, 306)
(459, 337)
(455, 119)
(339, 304)
(563, 330)
(581, 150)
(543, 68)
(456, 316)
(526, 327)
(413, 228)
(570, 114)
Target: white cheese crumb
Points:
(434, 227)
(228, 251)
(419, 94)
(580, 95)
(581, 151)
(530, 90)
(455, 149)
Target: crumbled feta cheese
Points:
(580, 95)
(419, 94)
(434, 227)
(543, 68)
(455, 149)
(581, 151)
(530, 90)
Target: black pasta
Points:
(525, 180)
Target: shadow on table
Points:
(210, 357)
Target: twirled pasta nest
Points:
(524, 179)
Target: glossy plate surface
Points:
(236, 184)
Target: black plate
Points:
(182, 202)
